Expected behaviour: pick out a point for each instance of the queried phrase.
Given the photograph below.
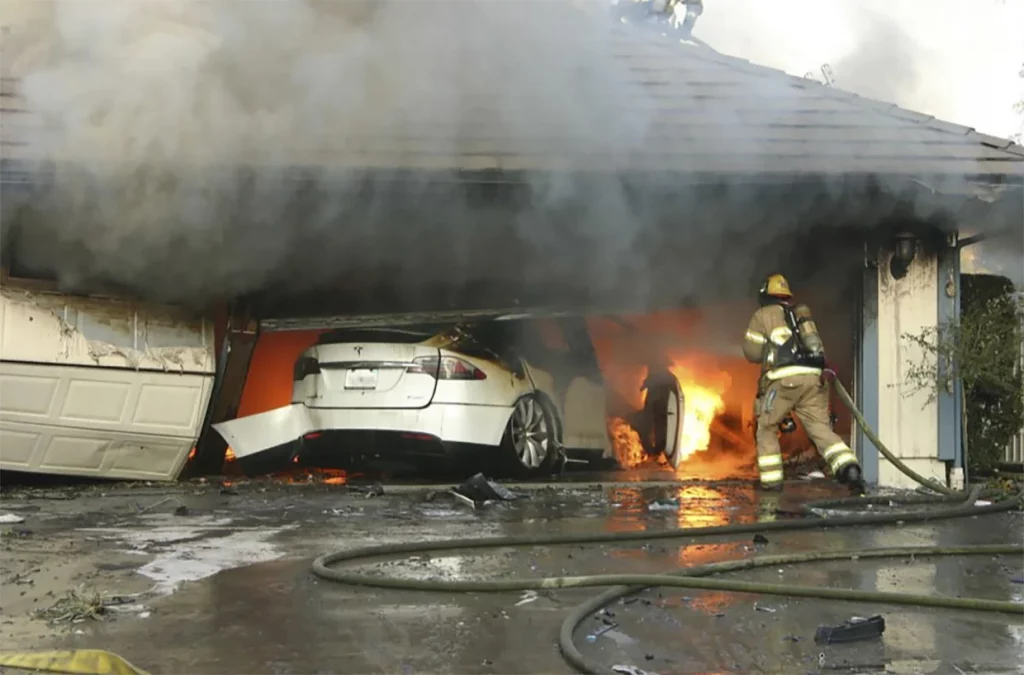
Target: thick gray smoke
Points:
(885, 65)
(202, 149)
(157, 104)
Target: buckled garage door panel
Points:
(50, 327)
(100, 386)
(99, 421)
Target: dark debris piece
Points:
(853, 630)
(760, 539)
(479, 489)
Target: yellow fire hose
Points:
(77, 661)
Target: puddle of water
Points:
(197, 549)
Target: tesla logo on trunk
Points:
(359, 351)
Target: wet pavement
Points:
(228, 586)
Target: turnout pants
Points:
(807, 397)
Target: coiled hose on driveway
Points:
(957, 505)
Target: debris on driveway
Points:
(143, 509)
(10, 519)
(78, 606)
(812, 475)
(630, 670)
(478, 491)
(854, 630)
(601, 631)
(528, 597)
(664, 505)
(760, 539)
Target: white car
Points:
(522, 390)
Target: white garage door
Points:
(100, 386)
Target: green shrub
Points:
(983, 349)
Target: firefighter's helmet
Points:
(776, 286)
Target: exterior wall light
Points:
(904, 251)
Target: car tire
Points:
(529, 446)
(663, 412)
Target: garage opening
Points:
(588, 330)
(588, 372)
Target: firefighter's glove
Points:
(827, 374)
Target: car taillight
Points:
(447, 368)
(305, 366)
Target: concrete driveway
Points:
(223, 583)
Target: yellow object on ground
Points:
(78, 661)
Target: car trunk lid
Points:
(374, 376)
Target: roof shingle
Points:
(696, 111)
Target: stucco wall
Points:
(907, 420)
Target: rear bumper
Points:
(282, 427)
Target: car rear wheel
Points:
(529, 444)
(663, 413)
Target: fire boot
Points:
(768, 508)
(852, 478)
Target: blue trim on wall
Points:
(867, 377)
(960, 459)
(948, 405)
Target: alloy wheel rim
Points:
(672, 421)
(530, 435)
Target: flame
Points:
(703, 402)
(295, 475)
(192, 453)
(626, 442)
(307, 475)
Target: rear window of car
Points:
(396, 334)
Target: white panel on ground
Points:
(100, 386)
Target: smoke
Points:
(198, 150)
(885, 64)
(197, 145)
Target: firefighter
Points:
(783, 338)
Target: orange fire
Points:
(308, 475)
(702, 402)
(296, 474)
(626, 442)
(192, 452)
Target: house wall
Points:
(907, 421)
